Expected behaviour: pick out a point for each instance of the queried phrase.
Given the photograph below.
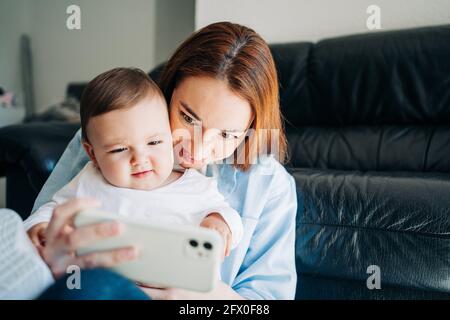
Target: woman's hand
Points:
(62, 240)
(37, 235)
(222, 291)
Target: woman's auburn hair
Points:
(239, 56)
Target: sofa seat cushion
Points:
(398, 221)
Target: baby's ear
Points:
(90, 151)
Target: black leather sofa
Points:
(368, 122)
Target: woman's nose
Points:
(206, 144)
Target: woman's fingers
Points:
(228, 246)
(156, 294)
(64, 212)
(37, 232)
(86, 235)
(226, 242)
(106, 258)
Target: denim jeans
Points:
(96, 284)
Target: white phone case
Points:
(177, 256)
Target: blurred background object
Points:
(10, 110)
(7, 98)
(26, 59)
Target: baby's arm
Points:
(42, 215)
(216, 222)
(37, 222)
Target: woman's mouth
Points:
(187, 158)
(142, 174)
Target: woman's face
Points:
(208, 121)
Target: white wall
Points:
(175, 21)
(15, 18)
(113, 33)
(308, 20)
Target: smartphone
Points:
(170, 256)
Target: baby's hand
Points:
(216, 222)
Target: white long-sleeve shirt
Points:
(185, 201)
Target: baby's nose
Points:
(139, 159)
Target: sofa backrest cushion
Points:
(377, 101)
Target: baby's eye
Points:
(226, 135)
(154, 143)
(118, 150)
(186, 118)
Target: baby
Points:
(126, 133)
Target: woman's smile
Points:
(187, 158)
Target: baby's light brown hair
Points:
(115, 89)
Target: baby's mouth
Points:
(142, 174)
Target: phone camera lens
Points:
(193, 243)
(207, 246)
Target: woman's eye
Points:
(118, 150)
(186, 118)
(154, 143)
(227, 136)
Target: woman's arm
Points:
(37, 235)
(222, 291)
(71, 162)
(268, 270)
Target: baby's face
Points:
(132, 147)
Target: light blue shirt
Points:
(263, 264)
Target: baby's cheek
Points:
(118, 175)
(164, 166)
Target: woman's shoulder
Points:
(268, 166)
(266, 178)
(77, 136)
(270, 190)
(264, 165)
(87, 175)
(192, 177)
(269, 163)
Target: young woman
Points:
(222, 89)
